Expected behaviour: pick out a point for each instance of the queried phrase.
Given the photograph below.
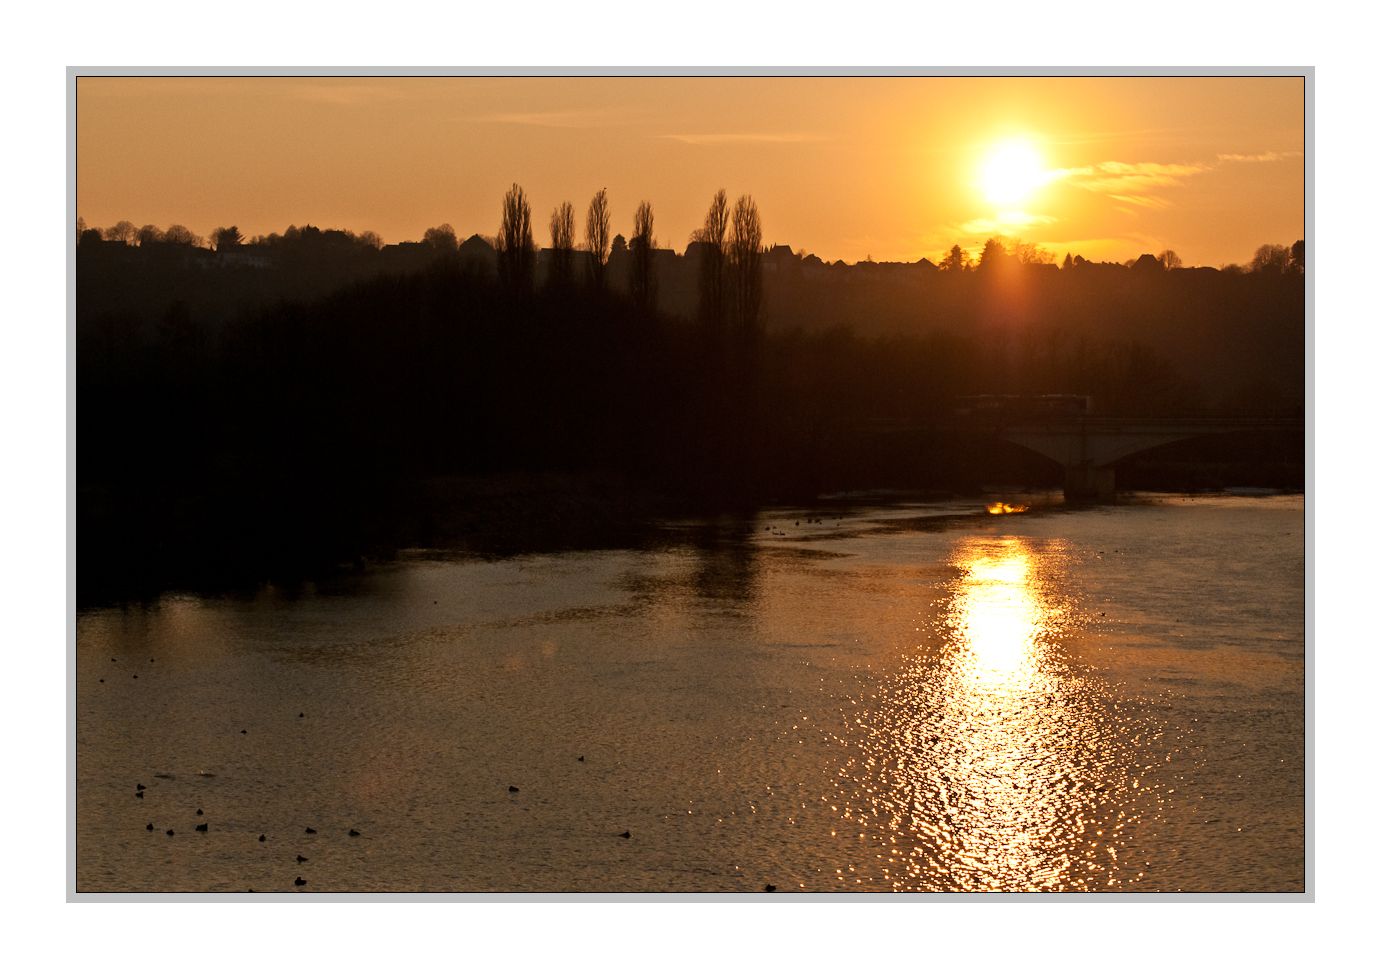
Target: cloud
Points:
(1131, 182)
(747, 137)
(1144, 201)
(587, 118)
(1005, 222)
(1265, 156)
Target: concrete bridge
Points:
(1087, 447)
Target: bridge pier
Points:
(1086, 482)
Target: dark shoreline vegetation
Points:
(270, 411)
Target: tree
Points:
(745, 251)
(442, 238)
(1271, 260)
(1297, 256)
(370, 239)
(597, 236)
(123, 231)
(149, 235)
(642, 282)
(1169, 259)
(1068, 263)
(226, 237)
(562, 244)
(514, 244)
(994, 255)
(955, 261)
(1030, 254)
(180, 235)
(713, 281)
(81, 228)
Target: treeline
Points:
(240, 418)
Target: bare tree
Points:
(597, 236)
(370, 239)
(1297, 256)
(1272, 260)
(562, 244)
(122, 231)
(180, 235)
(149, 234)
(442, 238)
(1169, 259)
(745, 251)
(514, 243)
(713, 278)
(642, 281)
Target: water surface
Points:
(887, 698)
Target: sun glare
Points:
(1011, 172)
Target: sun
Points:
(1011, 172)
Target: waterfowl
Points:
(139, 787)
(138, 793)
(769, 887)
(263, 838)
(203, 827)
(199, 812)
(170, 832)
(354, 833)
(149, 826)
(512, 789)
(626, 834)
(300, 859)
(299, 881)
(311, 830)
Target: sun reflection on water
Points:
(992, 763)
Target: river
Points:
(899, 696)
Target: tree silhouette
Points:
(642, 283)
(597, 237)
(226, 237)
(514, 243)
(1169, 259)
(180, 235)
(122, 231)
(1271, 260)
(993, 256)
(745, 249)
(1297, 256)
(150, 235)
(956, 260)
(562, 245)
(713, 278)
(442, 238)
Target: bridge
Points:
(1088, 447)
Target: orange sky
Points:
(844, 168)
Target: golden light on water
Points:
(992, 763)
(1002, 508)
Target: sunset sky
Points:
(892, 168)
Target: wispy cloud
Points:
(1265, 156)
(1143, 201)
(1132, 182)
(1006, 222)
(746, 137)
(573, 118)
